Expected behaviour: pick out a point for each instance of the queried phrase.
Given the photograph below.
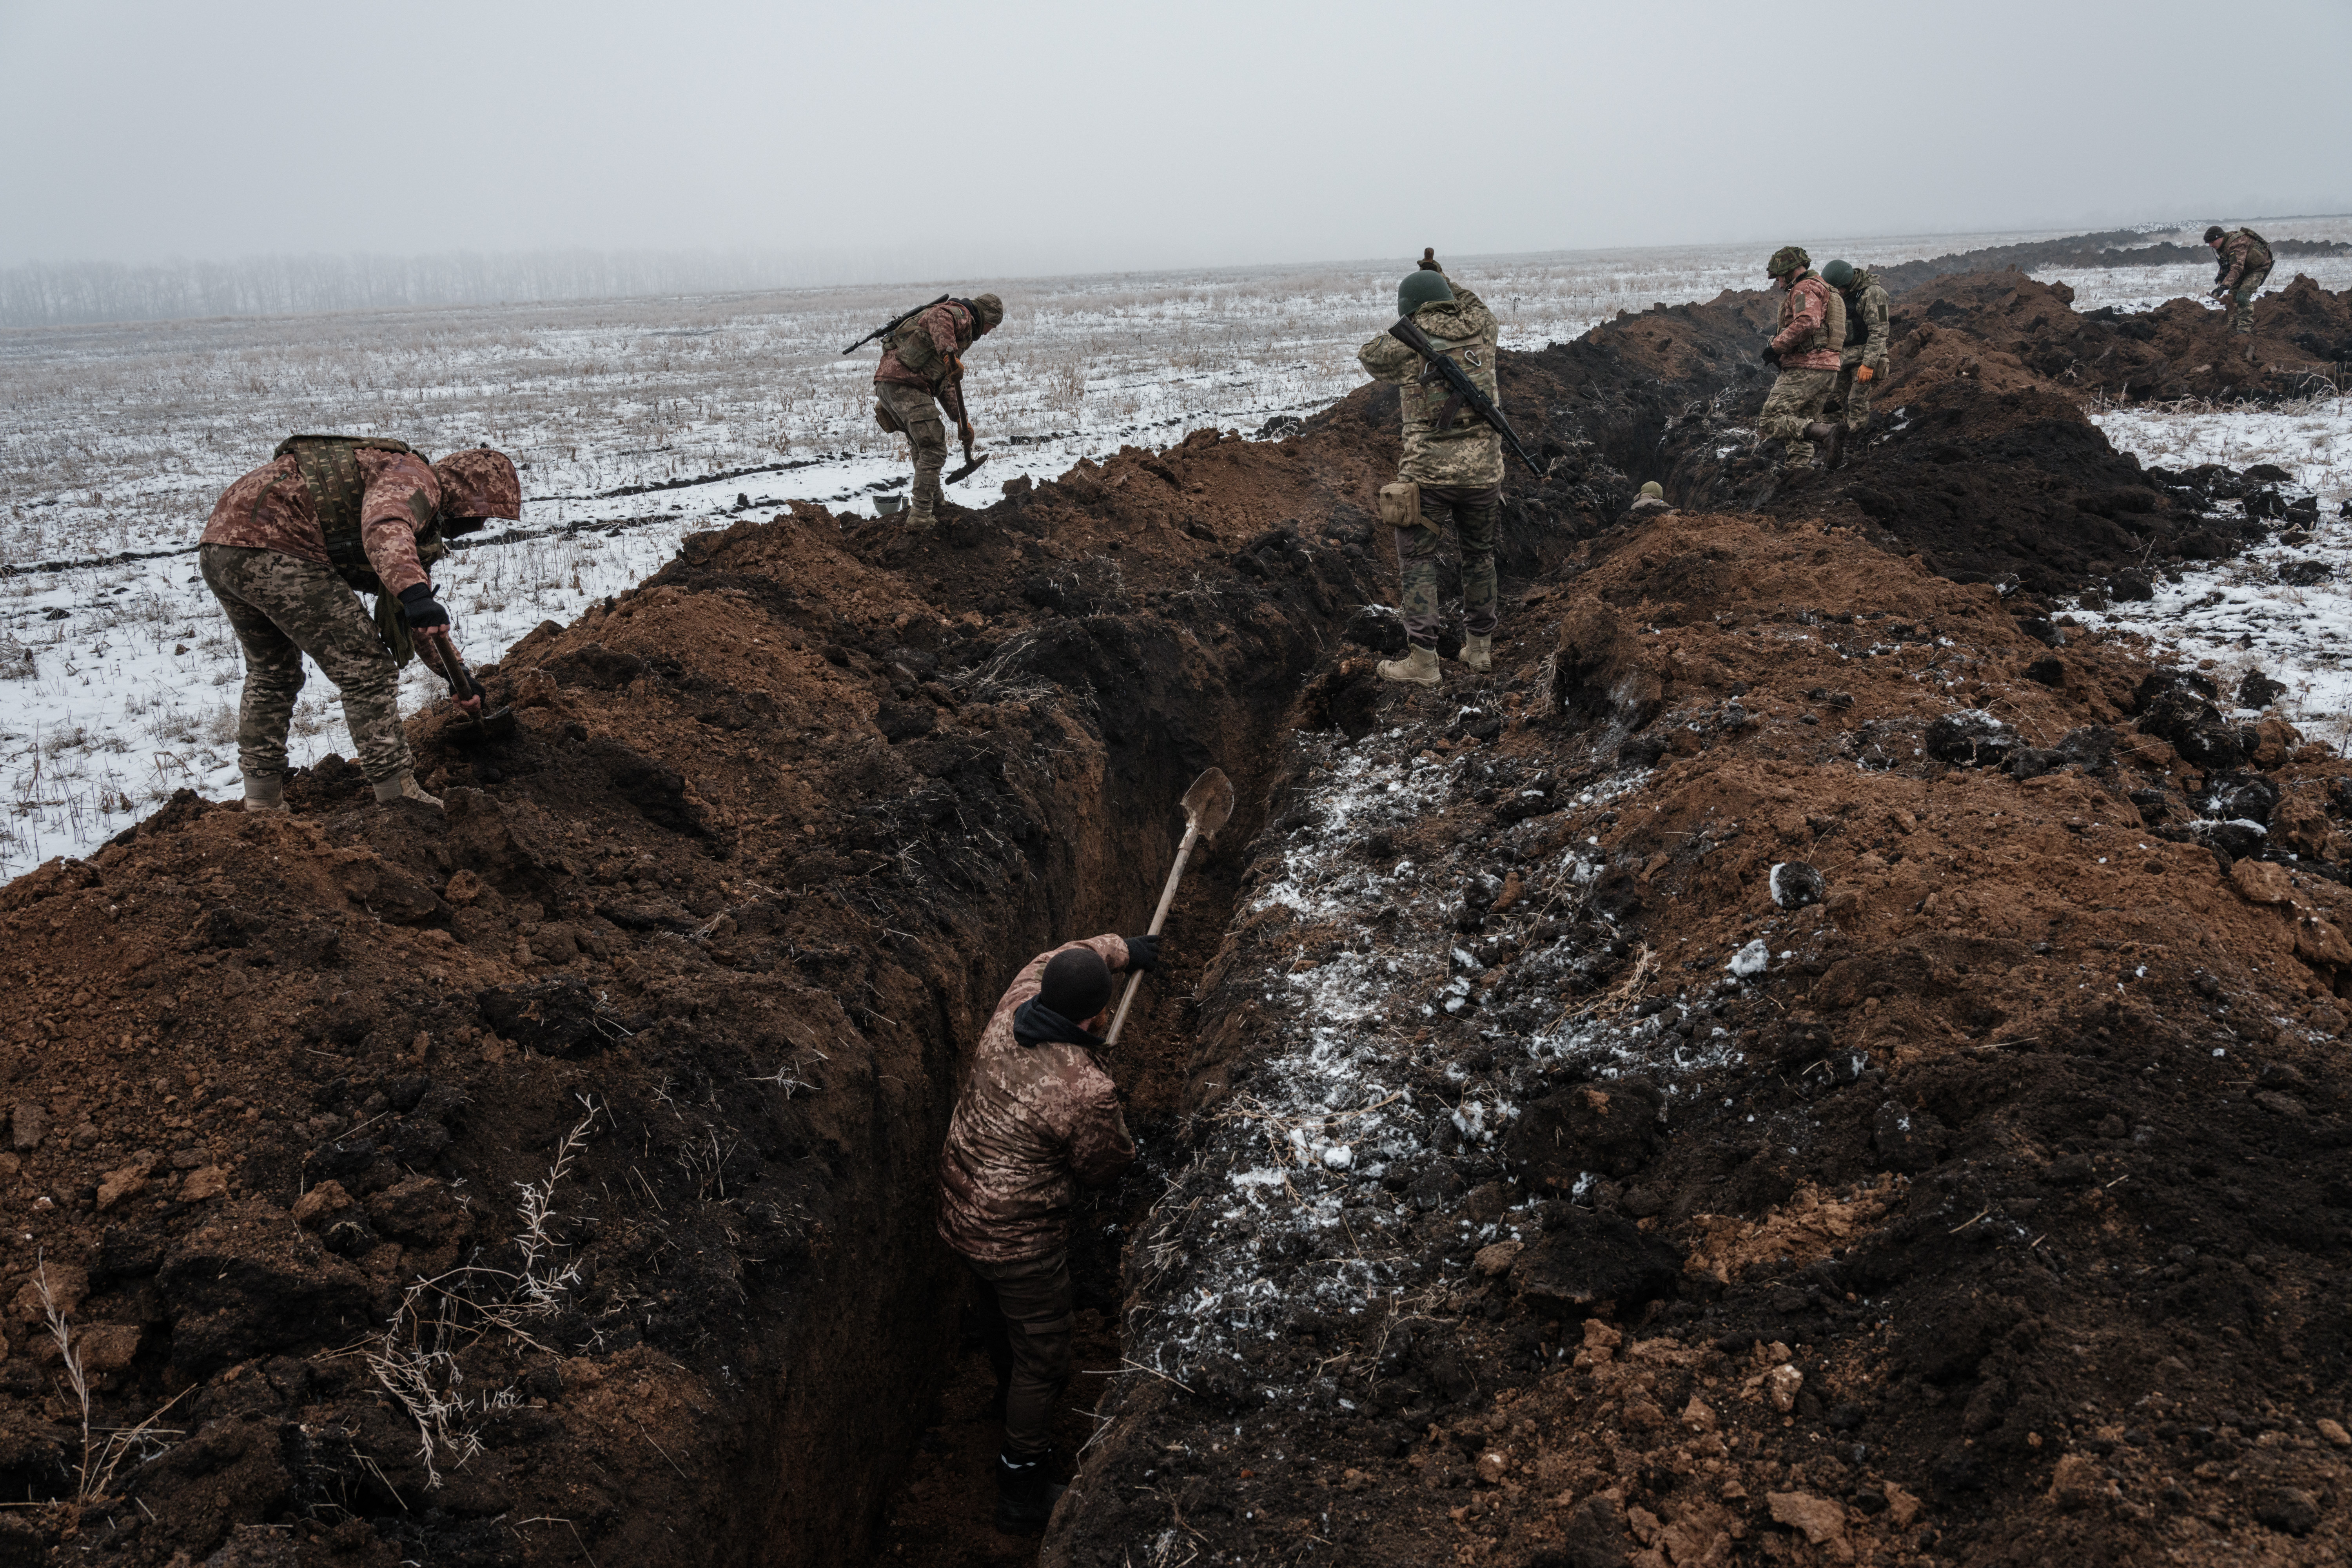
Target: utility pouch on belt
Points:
(1401, 504)
(887, 420)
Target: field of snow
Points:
(118, 679)
(2145, 287)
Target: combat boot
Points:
(922, 519)
(1419, 666)
(405, 787)
(1025, 1494)
(1823, 432)
(266, 797)
(1478, 652)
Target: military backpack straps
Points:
(2258, 255)
(1857, 330)
(329, 469)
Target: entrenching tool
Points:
(476, 721)
(953, 395)
(1207, 804)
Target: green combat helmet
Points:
(1789, 258)
(1838, 274)
(1654, 491)
(1426, 285)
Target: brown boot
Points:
(1419, 666)
(1832, 436)
(405, 787)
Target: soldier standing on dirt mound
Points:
(1452, 470)
(1863, 362)
(287, 551)
(1037, 1116)
(1807, 349)
(2245, 258)
(922, 367)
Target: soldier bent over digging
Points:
(1038, 1116)
(922, 367)
(286, 551)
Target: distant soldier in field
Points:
(1806, 349)
(1863, 362)
(287, 551)
(921, 370)
(1037, 1117)
(1452, 470)
(2243, 265)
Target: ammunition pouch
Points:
(1400, 503)
(888, 421)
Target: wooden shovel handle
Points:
(1159, 919)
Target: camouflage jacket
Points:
(1032, 1122)
(2244, 254)
(1865, 323)
(1470, 453)
(271, 508)
(916, 355)
(1812, 325)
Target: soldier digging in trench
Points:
(921, 370)
(287, 551)
(1037, 1116)
(1452, 470)
(2243, 265)
(1862, 363)
(1806, 349)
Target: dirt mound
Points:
(1774, 1076)
(2116, 248)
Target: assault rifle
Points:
(893, 324)
(1466, 391)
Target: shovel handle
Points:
(1159, 919)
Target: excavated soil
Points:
(551, 1181)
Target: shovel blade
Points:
(1209, 802)
(965, 472)
(496, 725)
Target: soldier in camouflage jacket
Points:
(2243, 265)
(1861, 365)
(285, 549)
(1807, 349)
(1452, 470)
(922, 366)
(1037, 1117)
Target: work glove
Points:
(2220, 291)
(418, 607)
(1771, 355)
(964, 431)
(1142, 955)
(1865, 374)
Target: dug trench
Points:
(552, 1181)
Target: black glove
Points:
(1771, 355)
(1142, 955)
(2220, 290)
(418, 607)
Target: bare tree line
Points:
(72, 293)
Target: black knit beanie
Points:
(1076, 984)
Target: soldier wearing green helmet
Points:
(1862, 363)
(1452, 470)
(1806, 351)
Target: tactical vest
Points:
(2258, 255)
(1834, 320)
(912, 342)
(329, 469)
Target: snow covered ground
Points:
(2283, 609)
(119, 680)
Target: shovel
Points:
(1207, 804)
(477, 722)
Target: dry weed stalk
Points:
(95, 1473)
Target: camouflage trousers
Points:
(1794, 402)
(928, 434)
(280, 609)
(2241, 301)
(1849, 400)
(1471, 509)
(1022, 1308)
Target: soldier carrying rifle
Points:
(922, 369)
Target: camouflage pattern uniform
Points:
(1812, 330)
(268, 554)
(2245, 262)
(1459, 466)
(1866, 344)
(918, 366)
(1032, 1122)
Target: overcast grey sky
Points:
(1028, 136)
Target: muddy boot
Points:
(266, 797)
(1418, 665)
(921, 519)
(1026, 1495)
(1478, 652)
(1831, 437)
(405, 787)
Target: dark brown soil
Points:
(723, 918)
